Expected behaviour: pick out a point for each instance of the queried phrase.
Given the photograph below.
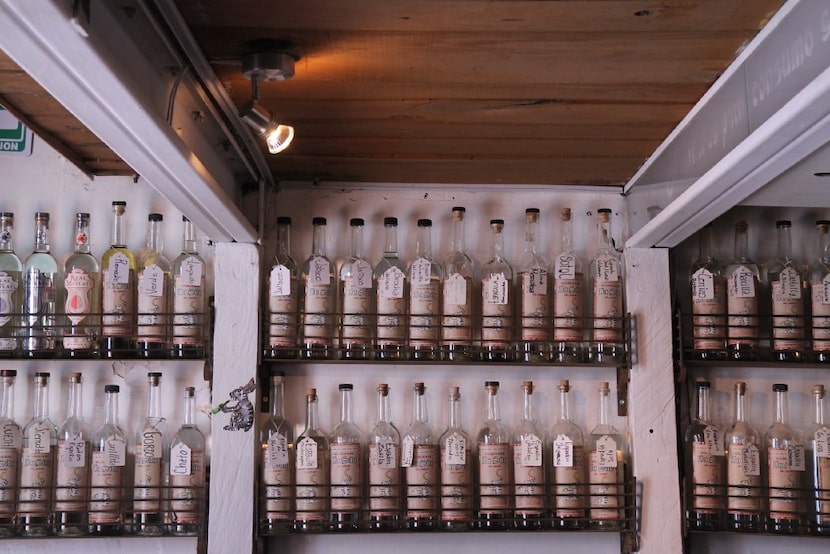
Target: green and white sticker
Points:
(15, 138)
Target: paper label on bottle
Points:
(118, 270)
(408, 451)
(307, 454)
(743, 317)
(180, 459)
(384, 478)
(535, 306)
(563, 451)
(751, 461)
(456, 489)
(346, 476)
(741, 283)
(743, 473)
(312, 500)
(788, 313)
(703, 285)
(390, 283)
(457, 323)
(384, 454)
(36, 476)
(147, 479)
(72, 475)
(420, 272)
(276, 453)
(190, 271)
(709, 321)
(606, 452)
(358, 322)
(796, 459)
(391, 329)
(318, 319)
(568, 309)
(496, 290)
(497, 312)
(72, 452)
(455, 290)
(529, 483)
(790, 284)
(106, 490)
(278, 486)
(187, 491)
(152, 305)
(494, 476)
(117, 298)
(115, 449)
(604, 488)
(535, 282)
(188, 307)
(564, 267)
(279, 283)
(608, 303)
(79, 285)
(455, 450)
(713, 440)
(39, 439)
(821, 314)
(11, 437)
(282, 308)
(608, 269)
(707, 476)
(319, 271)
(569, 501)
(422, 482)
(530, 451)
(8, 479)
(823, 482)
(8, 286)
(424, 326)
(783, 485)
(821, 440)
(151, 281)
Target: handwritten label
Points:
(277, 454)
(455, 289)
(115, 449)
(751, 460)
(703, 285)
(280, 282)
(118, 272)
(408, 451)
(455, 452)
(825, 287)
(151, 281)
(795, 457)
(419, 272)
(608, 269)
(74, 452)
(39, 440)
(318, 271)
(822, 440)
(390, 284)
(790, 284)
(712, 438)
(180, 459)
(565, 266)
(385, 450)
(496, 290)
(741, 283)
(531, 451)
(535, 282)
(563, 451)
(307, 454)
(606, 452)
(190, 272)
(361, 274)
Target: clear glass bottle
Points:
(11, 298)
(37, 466)
(318, 297)
(82, 287)
(705, 463)
(533, 296)
(187, 473)
(72, 479)
(786, 291)
(607, 296)
(494, 467)
(276, 440)
(153, 321)
(384, 468)
(311, 477)
(392, 288)
(150, 475)
(118, 297)
(743, 469)
(190, 317)
(459, 280)
(420, 460)
(11, 442)
(820, 294)
(109, 457)
(40, 295)
(818, 458)
(456, 471)
(742, 293)
(606, 469)
(785, 469)
(282, 297)
(529, 458)
(425, 276)
(497, 301)
(708, 292)
(356, 299)
(568, 297)
(346, 446)
(568, 468)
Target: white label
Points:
(39, 440)
(408, 451)
(151, 281)
(361, 274)
(74, 452)
(277, 454)
(11, 437)
(822, 438)
(531, 451)
(385, 451)
(712, 438)
(795, 457)
(456, 450)
(751, 460)
(496, 290)
(280, 282)
(608, 269)
(119, 269)
(455, 289)
(565, 267)
(318, 271)
(563, 451)
(180, 459)
(535, 282)
(703, 285)
(390, 284)
(790, 284)
(606, 452)
(741, 283)
(115, 449)
(190, 272)
(825, 285)
(419, 272)
(307, 454)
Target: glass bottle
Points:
(786, 284)
(818, 441)
(384, 468)
(785, 467)
(529, 459)
(820, 294)
(150, 465)
(109, 456)
(318, 299)
(72, 479)
(37, 471)
(425, 277)
(458, 293)
(276, 440)
(190, 317)
(282, 297)
(708, 302)
(568, 473)
(11, 442)
(39, 295)
(606, 471)
(11, 299)
(742, 291)
(704, 467)
(118, 297)
(420, 460)
(187, 473)
(456, 474)
(568, 297)
(153, 328)
(356, 299)
(497, 300)
(743, 469)
(607, 296)
(533, 296)
(346, 446)
(494, 467)
(392, 291)
(82, 285)
(312, 473)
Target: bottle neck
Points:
(41, 235)
(277, 397)
(189, 238)
(356, 250)
(6, 229)
(154, 401)
(311, 413)
(741, 245)
(154, 239)
(530, 235)
(823, 244)
(283, 241)
(318, 241)
(493, 413)
(564, 405)
(702, 404)
(740, 407)
(497, 245)
(345, 406)
(7, 399)
(567, 240)
(82, 236)
(455, 412)
(604, 408)
(784, 243)
(384, 407)
(420, 408)
(423, 247)
(604, 238)
(189, 411)
(705, 245)
(111, 408)
(41, 400)
(118, 228)
(781, 407)
(819, 401)
(457, 240)
(527, 405)
(390, 248)
(75, 401)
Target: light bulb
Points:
(279, 138)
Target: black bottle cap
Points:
(459, 209)
(275, 372)
(111, 388)
(783, 223)
(119, 203)
(346, 386)
(532, 211)
(604, 211)
(155, 217)
(356, 222)
(780, 387)
(496, 222)
(424, 223)
(702, 384)
(390, 221)
(283, 220)
(318, 221)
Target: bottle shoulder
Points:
(83, 261)
(10, 262)
(493, 432)
(420, 433)
(117, 250)
(42, 261)
(496, 267)
(155, 259)
(384, 430)
(450, 431)
(39, 424)
(190, 436)
(779, 434)
(569, 429)
(316, 436)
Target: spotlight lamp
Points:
(277, 136)
(267, 66)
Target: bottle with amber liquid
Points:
(494, 467)
(420, 460)
(276, 440)
(319, 289)
(743, 469)
(283, 297)
(311, 477)
(607, 296)
(346, 446)
(392, 287)
(704, 467)
(568, 297)
(425, 276)
(568, 472)
(497, 300)
(82, 287)
(786, 286)
(820, 294)
(118, 296)
(459, 281)
(708, 290)
(742, 294)
(456, 471)
(785, 469)
(384, 468)
(533, 294)
(529, 459)
(818, 460)
(356, 299)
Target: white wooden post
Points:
(651, 411)
(233, 462)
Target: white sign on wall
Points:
(15, 138)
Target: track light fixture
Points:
(267, 66)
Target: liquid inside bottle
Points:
(743, 469)
(73, 466)
(82, 287)
(11, 279)
(708, 291)
(187, 473)
(392, 289)
(425, 277)
(742, 294)
(318, 297)
(311, 478)
(534, 298)
(153, 321)
(495, 483)
(11, 442)
(458, 294)
(456, 471)
(283, 297)
(820, 294)
(529, 460)
(276, 439)
(607, 297)
(568, 473)
(150, 469)
(118, 298)
(109, 458)
(37, 471)
(497, 300)
(568, 298)
(190, 317)
(384, 468)
(704, 467)
(356, 297)
(346, 446)
(785, 469)
(787, 293)
(40, 295)
(818, 437)
(420, 458)
(606, 469)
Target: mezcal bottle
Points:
(704, 466)
(743, 469)
(742, 293)
(153, 340)
(606, 469)
(494, 467)
(786, 289)
(346, 445)
(818, 437)
(497, 300)
(109, 458)
(456, 473)
(425, 277)
(118, 296)
(37, 466)
(568, 297)
(311, 476)
(276, 440)
(356, 299)
(607, 296)
(421, 462)
(11, 441)
(72, 474)
(533, 292)
(384, 468)
(150, 465)
(820, 294)
(82, 284)
(187, 473)
(190, 319)
(319, 289)
(785, 469)
(529, 459)
(40, 295)
(392, 289)
(569, 472)
(283, 297)
(708, 290)
(11, 299)
(458, 294)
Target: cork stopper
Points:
(565, 214)
(189, 392)
(383, 389)
(740, 388)
(458, 213)
(492, 386)
(741, 226)
(527, 386)
(455, 393)
(497, 225)
(818, 390)
(311, 394)
(564, 385)
(8, 373)
(822, 226)
(604, 215)
(604, 389)
(75, 377)
(532, 215)
(419, 388)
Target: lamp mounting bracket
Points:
(268, 66)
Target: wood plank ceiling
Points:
(575, 92)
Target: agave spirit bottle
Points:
(150, 473)
(743, 469)
(785, 469)
(786, 288)
(346, 446)
(109, 457)
(456, 473)
(458, 294)
(190, 319)
(820, 294)
(425, 277)
(818, 438)
(494, 467)
(568, 297)
(118, 297)
(704, 466)
(276, 440)
(40, 295)
(82, 285)
(606, 469)
(607, 297)
(420, 460)
(282, 297)
(529, 466)
(708, 302)
(11, 301)
(318, 298)
(497, 300)
(568, 474)
(153, 340)
(11, 441)
(742, 293)
(187, 473)
(356, 299)
(37, 461)
(312, 473)
(533, 292)
(384, 468)
(392, 289)
(72, 479)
